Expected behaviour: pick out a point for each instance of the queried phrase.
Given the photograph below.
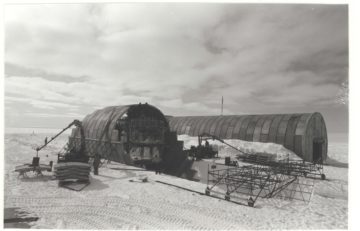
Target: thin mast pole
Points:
(222, 105)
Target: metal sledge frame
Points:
(257, 181)
(289, 167)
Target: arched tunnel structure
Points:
(130, 134)
(140, 133)
(304, 134)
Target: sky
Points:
(63, 61)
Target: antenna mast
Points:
(222, 104)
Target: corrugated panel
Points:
(93, 120)
(183, 125)
(266, 128)
(200, 125)
(171, 122)
(85, 123)
(298, 145)
(244, 126)
(119, 112)
(300, 135)
(193, 124)
(220, 126)
(197, 125)
(324, 135)
(258, 127)
(88, 122)
(176, 124)
(225, 126)
(273, 128)
(280, 137)
(213, 125)
(301, 126)
(104, 120)
(318, 125)
(236, 132)
(204, 124)
(251, 127)
(317, 129)
(290, 131)
(94, 123)
(208, 124)
(188, 124)
(308, 148)
(231, 127)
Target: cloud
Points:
(16, 70)
(180, 57)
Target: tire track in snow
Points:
(134, 212)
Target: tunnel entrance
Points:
(317, 150)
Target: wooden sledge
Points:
(76, 185)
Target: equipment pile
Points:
(72, 171)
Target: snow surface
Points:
(112, 201)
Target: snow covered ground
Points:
(118, 199)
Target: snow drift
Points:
(276, 151)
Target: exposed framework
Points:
(289, 167)
(254, 181)
(305, 134)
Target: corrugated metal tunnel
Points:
(125, 134)
(304, 134)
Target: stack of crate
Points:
(72, 171)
